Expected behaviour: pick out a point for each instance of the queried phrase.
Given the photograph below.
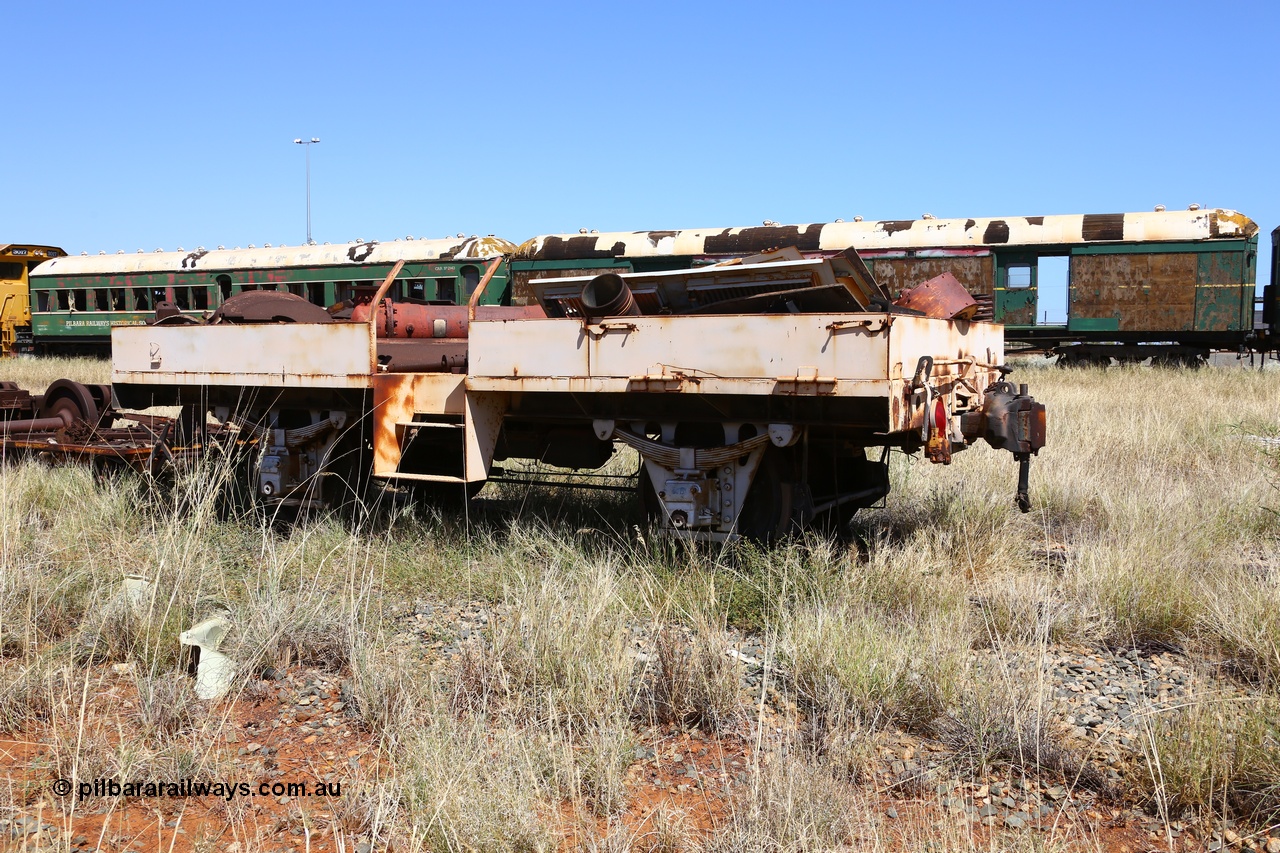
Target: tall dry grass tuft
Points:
(461, 785)
(691, 680)
(791, 804)
(1003, 718)
(1216, 757)
(874, 668)
(1247, 623)
(560, 656)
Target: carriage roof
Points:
(930, 233)
(341, 254)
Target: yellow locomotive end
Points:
(17, 260)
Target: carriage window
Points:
(315, 293)
(182, 298)
(42, 300)
(344, 290)
(201, 298)
(224, 285)
(158, 295)
(140, 299)
(1018, 278)
(296, 289)
(119, 302)
(445, 290)
(64, 299)
(417, 289)
(80, 300)
(102, 299)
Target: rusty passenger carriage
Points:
(1166, 284)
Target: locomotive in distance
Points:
(1173, 285)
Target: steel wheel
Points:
(72, 398)
(767, 512)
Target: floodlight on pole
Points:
(307, 143)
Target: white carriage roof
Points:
(342, 254)
(1160, 226)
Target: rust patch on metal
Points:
(1103, 226)
(1035, 220)
(892, 226)
(1144, 293)
(899, 274)
(997, 232)
(806, 238)
(575, 248)
(1243, 226)
(969, 223)
(269, 306)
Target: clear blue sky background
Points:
(145, 125)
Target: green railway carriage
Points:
(75, 300)
(1169, 284)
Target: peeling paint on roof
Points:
(1153, 226)
(341, 254)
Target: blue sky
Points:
(150, 125)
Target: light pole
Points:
(307, 143)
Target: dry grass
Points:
(1216, 757)
(35, 374)
(1149, 529)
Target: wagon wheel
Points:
(73, 398)
(102, 396)
(767, 512)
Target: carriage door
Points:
(1015, 291)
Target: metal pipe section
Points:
(59, 421)
(607, 295)
(407, 320)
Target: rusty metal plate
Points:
(1146, 293)
(941, 297)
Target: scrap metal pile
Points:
(74, 422)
